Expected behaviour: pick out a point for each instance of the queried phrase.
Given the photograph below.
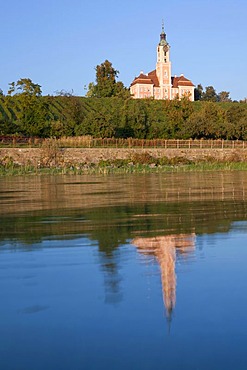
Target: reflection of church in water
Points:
(164, 249)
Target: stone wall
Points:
(51, 156)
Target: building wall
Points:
(142, 91)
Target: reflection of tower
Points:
(164, 249)
(166, 256)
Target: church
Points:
(160, 84)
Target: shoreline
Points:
(104, 168)
(53, 160)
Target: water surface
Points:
(127, 271)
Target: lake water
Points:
(124, 272)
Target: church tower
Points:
(163, 66)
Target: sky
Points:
(59, 43)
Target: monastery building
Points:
(160, 84)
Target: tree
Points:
(105, 79)
(198, 92)
(121, 91)
(210, 94)
(224, 96)
(32, 117)
(207, 123)
(136, 118)
(243, 101)
(26, 87)
(106, 85)
(90, 90)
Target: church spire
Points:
(163, 26)
(163, 35)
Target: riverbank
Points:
(51, 159)
(111, 169)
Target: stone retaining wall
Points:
(51, 156)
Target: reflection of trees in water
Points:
(164, 249)
(112, 278)
(108, 239)
(111, 226)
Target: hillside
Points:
(56, 116)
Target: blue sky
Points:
(58, 43)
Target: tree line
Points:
(109, 111)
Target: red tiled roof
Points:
(142, 79)
(154, 78)
(181, 81)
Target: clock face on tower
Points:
(165, 48)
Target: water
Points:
(137, 272)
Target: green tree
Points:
(73, 115)
(105, 79)
(26, 87)
(136, 120)
(7, 126)
(101, 118)
(90, 90)
(158, 120)
(33, 113)
(198, 92)
(106, 84)
(121, 91)
(236, 119)
(207, 123)
(210, 94)
(224, 96)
